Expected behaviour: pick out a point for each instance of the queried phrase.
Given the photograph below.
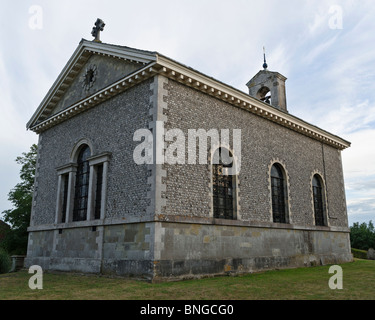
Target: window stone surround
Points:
(70, 169)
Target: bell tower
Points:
(269, 87)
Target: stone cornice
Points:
(70, 167)
(271, 73)
(184, 220)
(100, 158)
(185, 75)
(242, 100)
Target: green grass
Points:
(301, 284)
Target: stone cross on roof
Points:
(99, 26)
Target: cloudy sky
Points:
(325, 48)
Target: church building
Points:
(151, 169)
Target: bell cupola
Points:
(269, 87)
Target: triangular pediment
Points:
(92, 67)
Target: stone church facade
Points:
(96, 210)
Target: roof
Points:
(151, 64)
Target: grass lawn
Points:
(301, 284)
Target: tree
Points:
(21, 197)
(362, 236)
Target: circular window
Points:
(89, 77)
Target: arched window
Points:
(82, 185)
(279, 194)
(318, 197)
(224, 187)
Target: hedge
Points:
(359, 254)
(5, 261)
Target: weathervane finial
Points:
(99, 26)
(265, 65)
